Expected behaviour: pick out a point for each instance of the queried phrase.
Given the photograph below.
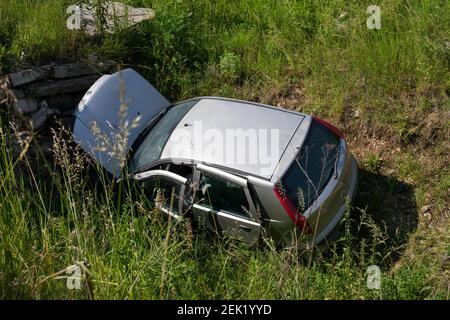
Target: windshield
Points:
(153, 143)
(312, 168)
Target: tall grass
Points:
(54, 216)
(301, 44)
(324, 48)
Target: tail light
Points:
(299, 220)
(330, 126)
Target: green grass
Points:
(275, 45)
(52, 216)
(134, 253)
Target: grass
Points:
(295, 54)
(374, 163)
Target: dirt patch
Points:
(434, 128)
(412, 158)
(290, 99)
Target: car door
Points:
(224, 205)
(165, 189)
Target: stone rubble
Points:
(117, 15)
(43, 92)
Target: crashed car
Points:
(241, 169)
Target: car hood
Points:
(103, 128)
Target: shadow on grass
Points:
(391, 205)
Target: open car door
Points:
(224, 205)
(165, 189)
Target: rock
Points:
(27, 76)
(16, 94)
(72, 70)
(25, 106)
(60, 87)
(343, 15)
(425, 208)
(64, 102)
(117, 14)
(341, 22)
(15, 145)
(101, 66)
(106, 67)
(39, 118)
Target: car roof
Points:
(242, 136)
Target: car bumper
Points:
(332, 227)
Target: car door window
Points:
(222, 195)
(164, 193)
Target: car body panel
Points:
(227, 224)
(101, 105)
(278, 223)
(235, 119)
(348, 193)
(236, 226)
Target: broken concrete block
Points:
(65, 102)
(46, 89)
(27, 76)
(25, 106)
(102, 66)
(39, 118)
(117, 14)
(72, 70)
(16, 94)
(106, 67)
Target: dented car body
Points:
(299, 186)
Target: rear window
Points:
(312, 168)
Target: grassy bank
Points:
(387, 88)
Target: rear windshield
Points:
(312, 168)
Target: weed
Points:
(374, 163)
(229, 65)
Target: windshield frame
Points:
(149, 129)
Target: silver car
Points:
(242, 169)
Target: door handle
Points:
(245, 228)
